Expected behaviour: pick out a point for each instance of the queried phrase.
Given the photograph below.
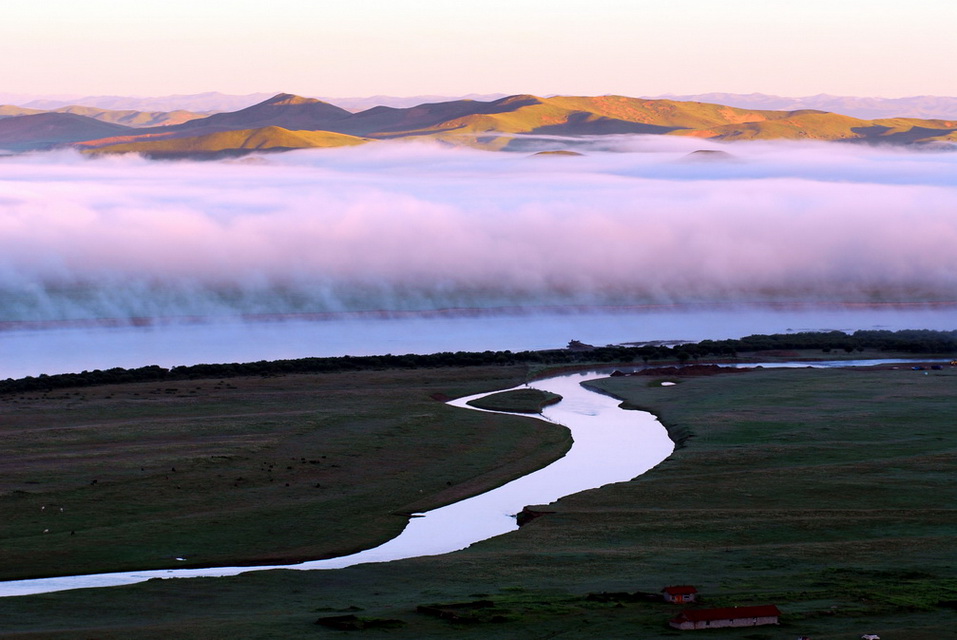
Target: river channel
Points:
(609, 445)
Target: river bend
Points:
(609, 445)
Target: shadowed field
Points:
(244, 470)
(829, 493)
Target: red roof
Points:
(728, 613)
(680, 590)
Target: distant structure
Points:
(680, 593)
(727, 617)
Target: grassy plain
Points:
(247, 470)
(830, 493)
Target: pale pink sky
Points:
(410, 47)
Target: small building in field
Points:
(680, 593)
(727, 617)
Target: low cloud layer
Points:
(417, 227)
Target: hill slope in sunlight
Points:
(263, 139)
(285, 122)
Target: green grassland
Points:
(829, 493)
(249, 470)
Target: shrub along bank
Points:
(907, 341)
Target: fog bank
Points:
(418, 227)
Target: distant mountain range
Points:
(214, 102)
(520, 122)
(207, 103)
(128, 117)
(927, 107)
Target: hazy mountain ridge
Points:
(47, 130)
(505, 123)
(215, 102)
(925, 107)
(127, 117)
(357, 104)
(208, 102)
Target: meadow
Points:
(249, 470)
(826, 492)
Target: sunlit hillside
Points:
(265, 138)
(288, 121)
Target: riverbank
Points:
(626, 443)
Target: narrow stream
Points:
(610, 445)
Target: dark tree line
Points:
(907, 341)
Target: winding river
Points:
(609, 445)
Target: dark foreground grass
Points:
(253, 470)
(828, 493)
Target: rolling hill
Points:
(286, 121)
(127, 117)
(11, 110)
(208, 102)
(925, 107)
(47, 130)
(571, 116)
(131, 117)
(283, 110)
(604, 115)
(225, 143)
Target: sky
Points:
(416, 47)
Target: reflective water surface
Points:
(610, 445)
(50, 350)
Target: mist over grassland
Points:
(406, 226)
